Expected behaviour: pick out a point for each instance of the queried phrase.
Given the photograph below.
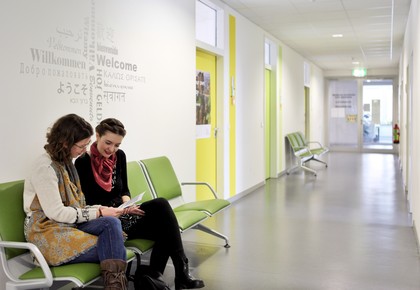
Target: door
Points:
(307, 114)
(343, 115)
(206, 127)
(377, 116)
(267, 123)
(361, 115)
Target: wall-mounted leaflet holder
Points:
(232, 91)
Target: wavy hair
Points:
(66, 131)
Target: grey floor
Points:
(348, 228)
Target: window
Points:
(267, 53)
(206, 23)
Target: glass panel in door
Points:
(377, 114)
(343, 114)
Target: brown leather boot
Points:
(113, 274)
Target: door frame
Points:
(207, 166)
(359, 143)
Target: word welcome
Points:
(113, 63)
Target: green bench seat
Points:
(304, 151)
(164, 183)
(15, 251)
(137, 184)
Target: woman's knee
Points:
(112, 222)
(162, 203)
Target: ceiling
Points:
(372, 30)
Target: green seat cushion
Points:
(130, 255)
(142, 245)
(210, 206)
(319, 151)
(12, 216)
(305, 154)
(84, 272)
(187, 219)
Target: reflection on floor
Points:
(378, 146)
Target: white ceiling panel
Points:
(307, 27)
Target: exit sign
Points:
(359, 72)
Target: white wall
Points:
(250, 169)
(158, 107)
(156, 102)
(318, 113)
(292, 97)
(410, 58)
(293, 92)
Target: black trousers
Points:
(160, 225)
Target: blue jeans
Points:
(110, 240)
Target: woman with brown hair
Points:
(103, 175)
(58, 221)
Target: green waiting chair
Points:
(164, 183)
(137, 184)
(15, 256)
(303, 151)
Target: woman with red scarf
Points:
(103, 177)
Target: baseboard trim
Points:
(245, 192)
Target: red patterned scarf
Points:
(102, 167)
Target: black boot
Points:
(183, 278)
(147, 278)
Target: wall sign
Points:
(84, 64)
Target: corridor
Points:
(348, 228)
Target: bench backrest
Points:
(137, 182)
(162, 177)
(302, 138)
(12, 216)
(296, 140)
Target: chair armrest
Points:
(15, 281)
(320, 147)
(297, 148)
(316, 142)
(202, 183)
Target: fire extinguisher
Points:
(396, 134)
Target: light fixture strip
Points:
(392, 29)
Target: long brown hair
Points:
(65, 132)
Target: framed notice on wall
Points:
(203, 104)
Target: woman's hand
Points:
(134, 209)
(117, 212)
(110, 211)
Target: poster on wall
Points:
(81, 61)
(203, 104)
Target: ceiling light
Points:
(337, 35)
(355, 62)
